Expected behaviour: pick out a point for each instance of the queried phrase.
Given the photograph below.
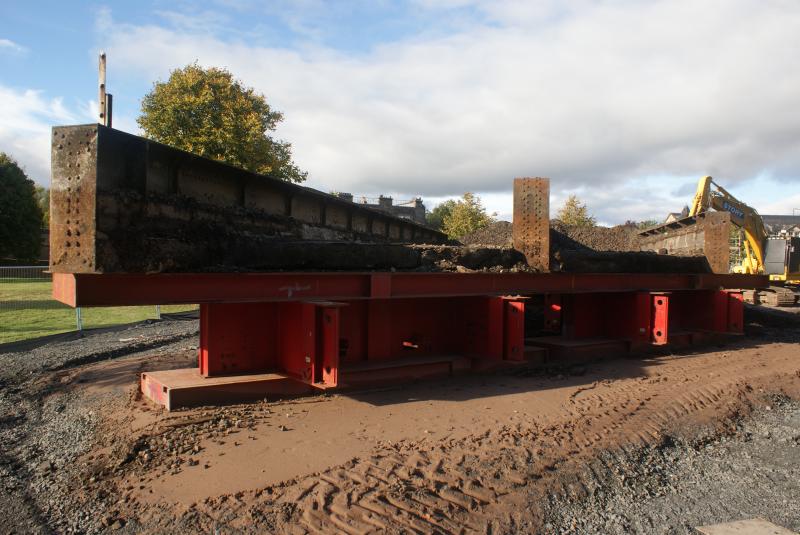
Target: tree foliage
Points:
(647, 223)
(575, 213)
(209, 113)
(20, 216)
(43, 200)
(435, 217)
(466, 215)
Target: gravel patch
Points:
(751, 470)
(48, 432)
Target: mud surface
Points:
(82, 452)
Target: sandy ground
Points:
(498, 453)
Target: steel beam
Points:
(178, 288)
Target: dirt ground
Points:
(654, 444)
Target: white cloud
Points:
(594, 95)
(25, 120)
(11, 46)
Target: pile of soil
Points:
(621, 238)
(497, 234)
(563, 237)
(592, 249)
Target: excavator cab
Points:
(782, 258)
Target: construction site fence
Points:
(28, 310)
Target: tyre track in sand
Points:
(490, 481)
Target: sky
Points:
(624, 103)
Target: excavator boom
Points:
(704, 231)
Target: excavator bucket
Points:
(706, 234)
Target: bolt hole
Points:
(69, 232)
(660, 302)
(69, 244)
(658, 333)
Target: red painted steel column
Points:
(326, 369)
(236, 338)
(514, 319)
(641, 328)
(735, 312)
(379, 329)
(297, 340)
(495, 327)
(660, 319)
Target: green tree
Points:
(467, 215)
(435, 217)
(209, 113)
(43, 200)
(20, 216)
(647, 223)
(575, 213)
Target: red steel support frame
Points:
(312, 328)
(306, 340)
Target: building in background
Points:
(413, 209)
(782, 225)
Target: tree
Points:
(435, 217)
(467, 215)
(20, 216)
(647, 223)
(209, 113)
(43, 200)
(575, 213)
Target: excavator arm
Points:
(697, 230)
(709, 194)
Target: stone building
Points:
(413, 209)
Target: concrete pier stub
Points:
(531, 227)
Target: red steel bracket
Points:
(660, 318)
(552, 313)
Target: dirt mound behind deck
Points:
(593, 249)
(563, 237)
(620, 238)
(498, 233)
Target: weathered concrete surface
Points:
(121, 203)
(531, 230)
(706, 235)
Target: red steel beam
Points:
(177, 288)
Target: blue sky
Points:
(625, 103)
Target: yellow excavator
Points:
(774, 256)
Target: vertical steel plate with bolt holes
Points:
(531, 228)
